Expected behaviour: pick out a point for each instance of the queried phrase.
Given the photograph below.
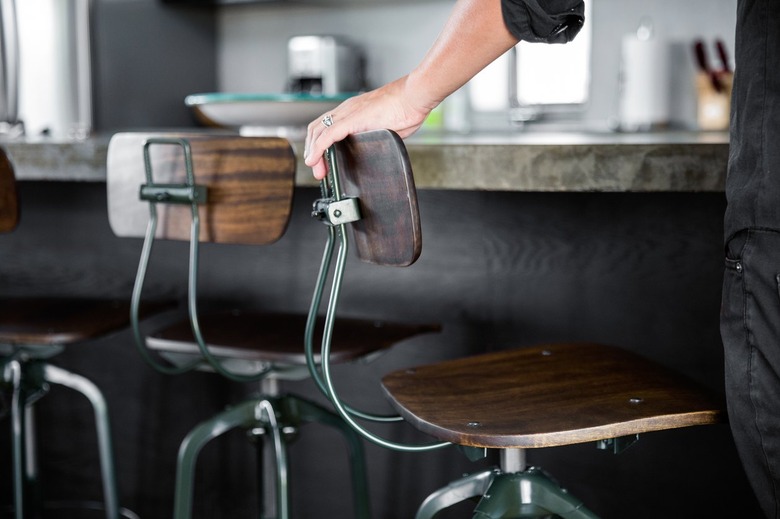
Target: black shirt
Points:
(546, 21)
(753, 180)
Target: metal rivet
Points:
(337, 213)
(473, 424)
(636, 400)
(738, 267)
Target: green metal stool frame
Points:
(268, 414)
(513, 491)
(26, 374)
(29, 379)
(279, 417)
(336, 211)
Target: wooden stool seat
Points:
(9, 205)
(34, 330)
(511, 400)
(64, 320)
(545, 396)
(279, 338)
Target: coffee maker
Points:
(324, 65)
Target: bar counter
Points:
(521, 161)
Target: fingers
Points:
(384, 107)
(320, 137)
(314, 142)
(319, 170)
(313, 148)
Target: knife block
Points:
(713, 105)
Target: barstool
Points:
(229, 189)
(32, 332)
(509, 401)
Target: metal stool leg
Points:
(515, 491)
(33, 507)
(13, 374)
(241, 415)
(55, 375)
(529, 494)
(468, 487)
(271, 490)
(262, 412)
(307, 411)
(268, 415)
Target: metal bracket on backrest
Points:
(187, 193)
(173, 193)
(335, 209)
(336, 212)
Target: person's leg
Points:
(750, 327)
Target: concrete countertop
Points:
(522, 161)
(47, 159)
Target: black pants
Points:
(750, 327)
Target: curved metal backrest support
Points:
(375, 170)
(9, 203)
(232, 171)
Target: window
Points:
(550, 79)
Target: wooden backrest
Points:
(250, 182)
(9, 203)
(375, 167)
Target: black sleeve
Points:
(546, 21)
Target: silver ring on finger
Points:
(327, 120)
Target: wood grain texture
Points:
(278, 338)
(375, 167)
(63, 320)
(547, 396)
(9, 204)
(250, 182)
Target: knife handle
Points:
(724, 57)
(704, 66)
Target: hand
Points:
(388, 107)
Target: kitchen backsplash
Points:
(252, 42)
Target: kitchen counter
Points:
(46, 159)
(522, 161)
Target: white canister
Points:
(55, 77)
(644, 83)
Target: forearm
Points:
(473, 37)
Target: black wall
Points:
(498, 270)
(148, 56)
